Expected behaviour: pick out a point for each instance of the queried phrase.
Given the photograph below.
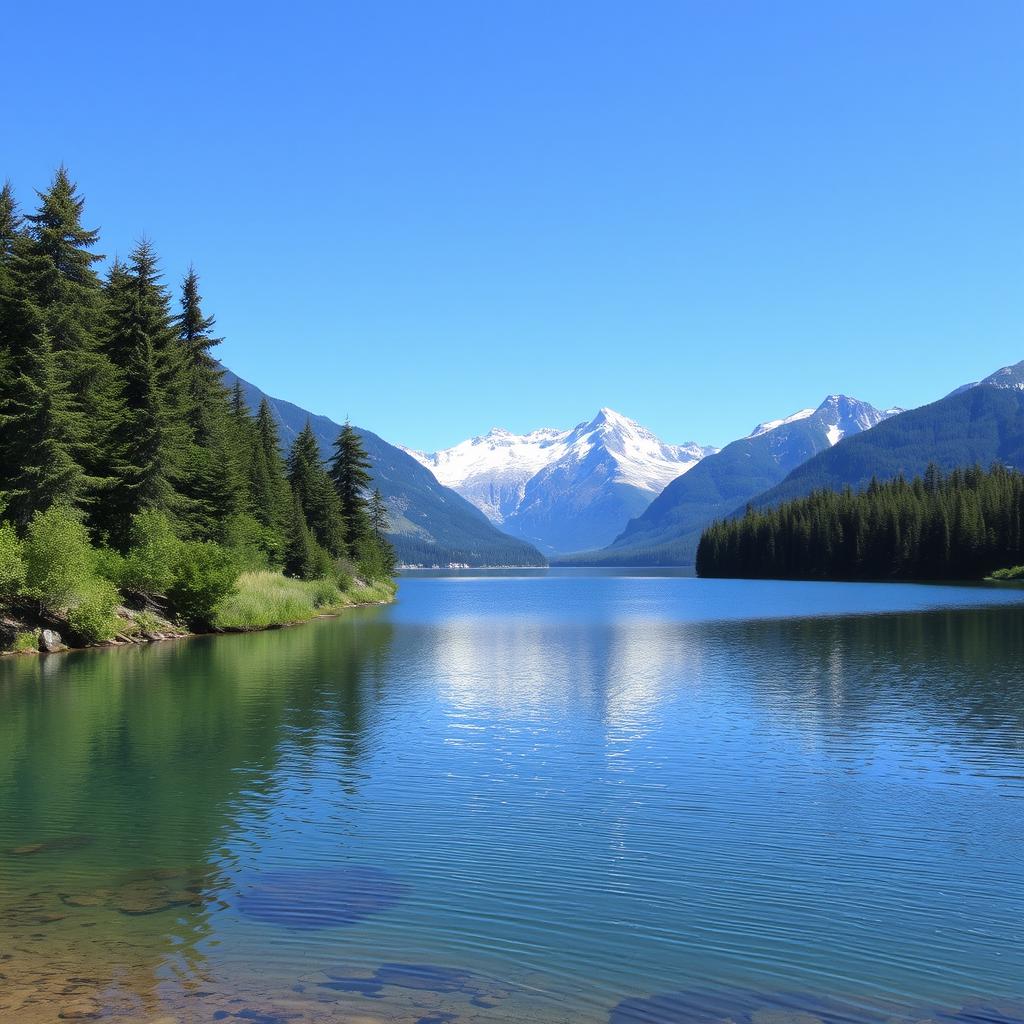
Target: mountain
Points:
(979, 423)
(431, 524)
(564, 490)
(668, 530)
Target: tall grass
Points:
(269, 599)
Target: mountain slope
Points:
(979, 423)
(564, 490)
(668, 531)
(431, 524)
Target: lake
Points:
(550, 797)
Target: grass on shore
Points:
(269, 599)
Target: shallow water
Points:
(545, 797)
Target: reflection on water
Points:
(603, 799)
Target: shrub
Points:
(255, 546)
(94, 616)
(12, 563)
(25, 640)
(1015, 573)
(147, 622)
(109, 564)
(204, 574)
(150, 563)
(58, 558)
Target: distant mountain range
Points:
(980, 423)
(430, 524)
(667, 532)
(609, 492)
(564, 490)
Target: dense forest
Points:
(966, 524)
(127, 465)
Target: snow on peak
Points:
(493, 470)
(768, 425)
(838, 414)
(1009, 378)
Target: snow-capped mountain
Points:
(667, 531)
(564, 490)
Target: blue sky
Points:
(438, 217)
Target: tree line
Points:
(113, 406)
(965, 524)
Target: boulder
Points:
(50, 641)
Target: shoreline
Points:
(181, 633)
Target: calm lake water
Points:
(536, 797)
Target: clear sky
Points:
(438, 217)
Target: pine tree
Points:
(300, 550)
(272, 503)
(52, 286)
(41, 433)
(378, 514)
(153, 439)
(10, 223)
(349, 471)
(317, 497)
(217, 482)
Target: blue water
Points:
(535, 796)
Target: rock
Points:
(80, 1009)
(50, 641)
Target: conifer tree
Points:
(315, 494)
(41, 433)
(272, 504)
(217, 483)
(349, 471)
(300, 550)
(153, 437)
(10, 223)
(51, 275)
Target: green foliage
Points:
(25, 640)
(12, 563)
(93, 618)
(59, 561)
(1014, 573)
(149, 565)
(204, 574)
(964, 525)
(320, 503)
(266, 599)
(255, 546)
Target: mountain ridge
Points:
(431, 524)
(667, 531)
(563, 489)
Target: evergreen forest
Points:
(961, 525)
(129, 470)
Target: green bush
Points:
(1015, 573)
(94, 616)
(204, 575)
(255, 546)
(12, 563)
(58, 558)
(109, 564)
(149, 565)
(25, 640)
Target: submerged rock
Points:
(320, 897)
(739, 1006)
(75, 842)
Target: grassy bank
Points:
(263, 599)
